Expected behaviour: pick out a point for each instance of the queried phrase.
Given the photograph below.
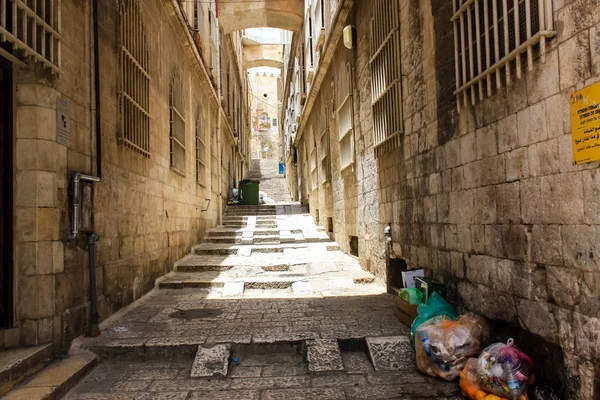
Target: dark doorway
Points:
(354, 246)
(6, 200)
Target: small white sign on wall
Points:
(63, 122)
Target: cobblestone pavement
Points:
(293, 318)
(272, 376)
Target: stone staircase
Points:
(274, 185)
(29, 373)
(271, 247)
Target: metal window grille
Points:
(198, 17)
(319, 25)
(33, 27)
(177, 123)
(490, 37)
(314, 174)
(201, 169)
(134, 84)
(325, 146)
(345, 114)
(214, 41)
(386, 76)
(308, 48)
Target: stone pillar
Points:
(40, 176)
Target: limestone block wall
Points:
(488, 200)
(147, 215)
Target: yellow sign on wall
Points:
(585, 124)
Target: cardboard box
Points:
(407, 308)
(404, 318)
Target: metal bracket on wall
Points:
(207, 205)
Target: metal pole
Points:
(94, 328)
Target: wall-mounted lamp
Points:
(348, 36)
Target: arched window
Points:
(134, 85)
(177, 123)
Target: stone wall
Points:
(488, 200)
(147, 215)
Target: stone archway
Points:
(244, 14)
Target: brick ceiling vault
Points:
(244, 14)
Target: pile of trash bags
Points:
(449, 346)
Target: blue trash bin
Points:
(281, 168)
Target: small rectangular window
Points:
(345, 114)
(490, 38)
(33, 27)
(134, 85)
(386, 76)
(274, 122)
(325, 146)
(201, 169)
(177, 123)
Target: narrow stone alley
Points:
(267, 308)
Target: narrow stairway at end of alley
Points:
(268, 307)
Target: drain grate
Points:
(196, 313)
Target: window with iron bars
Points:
(345, 114)
(325, 146)
(33, 28)
(386, 76)
(314, 170)
(201, 169)
(214, 42)
(177, 123)
(134, 83)
(490, 38)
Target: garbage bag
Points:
(411, 296)
(469, 384)
(436, 306)
(444, 346)
(504, 370)
(544, 392)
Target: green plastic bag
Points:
(411, 296)
(435, 307)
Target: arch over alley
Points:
(267, 55)
(244, 14)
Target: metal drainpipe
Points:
(92, 239)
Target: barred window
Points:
(490, 37)
(308, 48)
(32, 27)
(177, 123)
(386, 75)
(325, 147)
(201, 169)
(345, 114)
(314, 171)
(319, 25)
(134, 85)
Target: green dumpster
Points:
(249, 189)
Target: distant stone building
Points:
(171, 141)
(265, 104)
(451, 125)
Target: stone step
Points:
(263, 239)
(225, 239)
(196, 263)
(267, 280)
(17, 364)
(55, 381)
(211, 361)
(212, 248)
(391, 353)
(323, 356)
